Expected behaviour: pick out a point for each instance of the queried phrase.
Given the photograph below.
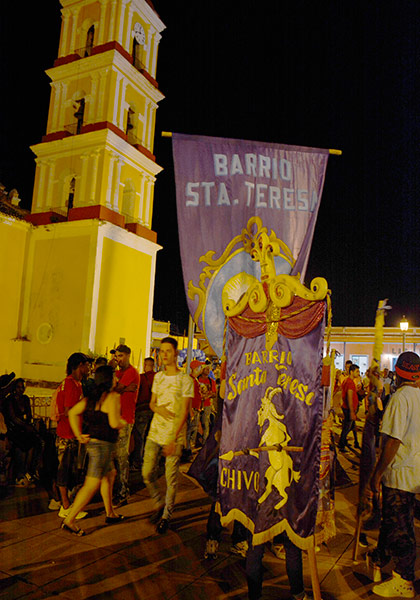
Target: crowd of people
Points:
(108, 417)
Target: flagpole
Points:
(168, 134)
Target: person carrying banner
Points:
(128, 383)
(172, 393)
(349, 407)
(398, 468)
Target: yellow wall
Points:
(13, 243)
(123, 308)
(57, 297)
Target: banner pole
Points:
(168, 134)
(191, 329)
(314, 573)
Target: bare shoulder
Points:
(111, 398)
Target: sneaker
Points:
(363, 541)
(396, 586)
(373, 569)
(54, 504)
(212, 546)
(278, 551)
(241, 548)
(22, 482)
(64, 512)
(163, 526)
(156, 516)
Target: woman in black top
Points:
(101, 412)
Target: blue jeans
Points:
(152, 453)
(193, 427)
(140, 431)
(121, 490)
(254, 568)
(205, 420)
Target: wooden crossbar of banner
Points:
(277, 447)
(168, 134)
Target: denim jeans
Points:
(152, 453)
(140, 431)
(193, 427)
(254, 567)
(121, 490)
(346, 428)
(205, 420)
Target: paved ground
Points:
(38, 560)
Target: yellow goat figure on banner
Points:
(280, 473)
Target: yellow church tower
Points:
(90, 256)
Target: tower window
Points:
(89, 40)
(70, 198)
(79, 114)
(129, 130)
(137, 55)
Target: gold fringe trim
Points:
(325, 520)
(265, 536)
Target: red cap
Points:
(195, 363)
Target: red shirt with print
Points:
(210, 384)
(69, 394)
(128, 399)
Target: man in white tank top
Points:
(172, 393)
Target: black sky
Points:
(333, 74)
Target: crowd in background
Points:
(33, 448)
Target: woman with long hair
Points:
(101, 412)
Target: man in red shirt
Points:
(195, 409)
(143, 413)
(127, 386)
(349, 406)
(209, 393)
(69, 393)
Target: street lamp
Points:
(404, 328)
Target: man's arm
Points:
(350, 394)
(130, 385)
(387, 456)
(74, 414)
(178, 425)
(160, 410)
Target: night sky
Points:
(327, 74)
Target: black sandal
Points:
(116, 519)
(79, 532)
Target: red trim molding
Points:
(64, 60)
(81, 213)
(149, 78)
(59, 135)
(45, 218)
(142, 231)
(112, 46)
(56, 135)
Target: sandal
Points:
(116, 519)
(77, 531)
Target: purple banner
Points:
(220, 185)
(272, 397)
(246, 216)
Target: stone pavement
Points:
(129, 560)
